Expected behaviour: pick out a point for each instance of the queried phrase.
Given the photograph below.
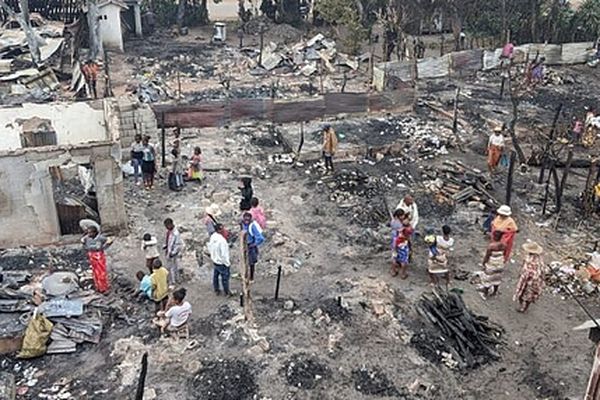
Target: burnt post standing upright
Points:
(139, 394)
(162, 140)
(509, 181)
(278, 282)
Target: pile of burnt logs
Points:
(460, 183)
(471, 340)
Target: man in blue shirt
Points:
(254, 239)
(145, 289)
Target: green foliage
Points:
(166, 12)
(587, 20)
(344, 16)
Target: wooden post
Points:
(178, 85)
(546, 193)
(162, 140)
(245, 274)
(509, 180)
(278, 282)
(344, 81)
(139, 394)
(320, 76)
(108, 92)
(588, 194)
(455, 119)
(544, 157)
(262, 36)
(563, 181)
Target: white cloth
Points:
(443, 244)
(496, 140)
(178, 315)
(412, 211)
(137, 147)
(219, 249)
(174, 243)
(150, 248)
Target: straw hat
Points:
(213, 210)
(498, 129)
(533, 248)
(84, 224)
(504, 210)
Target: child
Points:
(439, 247)
(150, 248)
(195, 169)
(145, 289)
(402, 253)
(178, 313)
(160, 285)
(258, 214)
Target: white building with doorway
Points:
(111, 31)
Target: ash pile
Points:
(361, 196)
(454, 335)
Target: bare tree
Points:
(93, 20)
(34, 41)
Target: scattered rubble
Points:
(224, 379)
(373, 381)
(305, 372)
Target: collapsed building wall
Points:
(28, 210)
(33, 125)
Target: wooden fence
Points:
(220, 113)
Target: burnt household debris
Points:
(275, 205)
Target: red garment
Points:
(508, 238)
(97, 260)
(258, 215)
(90, 71)
(507, 50)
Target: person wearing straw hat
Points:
(494, 149)
(507, 225)
(211, 213)
(531, 280)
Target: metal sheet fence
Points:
(220, 113)
(469, 61)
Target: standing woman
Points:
(247, 193)
(493, 267)
(95, 243)
(531, 281)
(195, 169)
(507, 225)
(494, 149)
(148, 162)
(137, 153)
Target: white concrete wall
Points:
(74, 123)
(110, 27)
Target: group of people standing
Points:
(502, 232)
(144, 163)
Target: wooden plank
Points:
(249, 108)
(206, 115)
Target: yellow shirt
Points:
(160, 287)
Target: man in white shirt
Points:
(408, 205)
(179, 313)
(219, 254)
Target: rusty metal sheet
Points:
(338, 103)
(205, 115)
(397, 100)
(249, 108)
(291, 111)
(466, 62)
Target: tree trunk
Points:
(95, 43)
(512, 125)
(34, 41)
(181, 13)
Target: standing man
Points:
(411, 211)
(173, 248)
(90, 72)
(219, 254)
(330, 142)
(254, 238)
(494, 149)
